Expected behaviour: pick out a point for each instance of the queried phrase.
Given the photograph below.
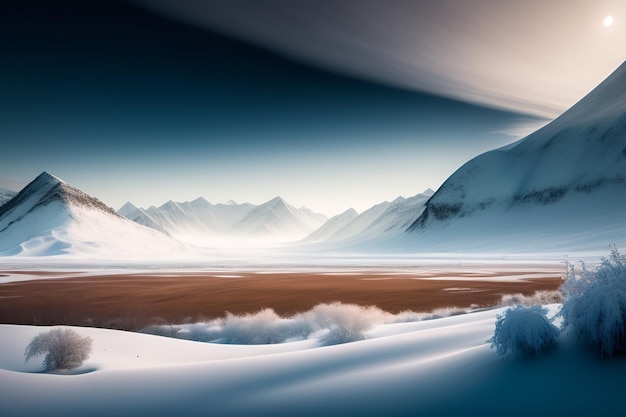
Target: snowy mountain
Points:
(359, 223)
(279, 221)
(380, 222)
(562, 187)
(399, 215)
(331, 226)
(6, 195)
(202, 222)
(127, 209)
(50, 217)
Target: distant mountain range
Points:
(202, 222)
(386, 219)
(560, 189)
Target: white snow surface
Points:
(441, 367)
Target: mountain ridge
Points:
(201, 221)
(579, 156)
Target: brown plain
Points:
(133, 301)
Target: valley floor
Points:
(130, 301)
(438, 367)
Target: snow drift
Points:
(440, 367)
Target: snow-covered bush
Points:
(336, 322)
(64, 349)
(345, 322)
(263, 327)
(525, 330)
(594, 310)
(538, 298)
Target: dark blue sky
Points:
(129, 105)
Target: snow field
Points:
(438, 367)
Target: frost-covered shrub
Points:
(342, 322)
(334, 323)
(524, 330)
(263, 327)
(64, 349)
(345, 322)
(594, 310)
(538, 298)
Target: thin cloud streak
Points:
(529, 56)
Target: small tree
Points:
(64, 349)
(525, 330)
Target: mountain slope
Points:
(331, 226)
(278, 221)
(6, 195)
(50, 217)
(562, 186)
(360, 223)
(378, 223)
(399, 215)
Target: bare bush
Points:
(64, 349)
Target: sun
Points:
(608, 21)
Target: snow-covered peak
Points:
(50, 217)
(569, 174)
(275, 202)
(605, 101)
(42, 191)
(278, 221)
(349, 213)
(127, 209)
(331, 226)
(47, 188)
(204, 223)
(31, 195)
(359, 223)
(580, 150)
(46, 178)
(201, 202)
